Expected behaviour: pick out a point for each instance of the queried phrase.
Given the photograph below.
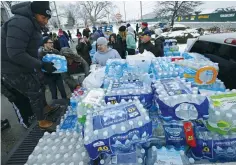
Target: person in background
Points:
(144, 27)
(78, 34)
(54, 80)
(86, 31)
(70, 37)
(130, 41)
(99, 31)
(137, 28)
(62, 39)
(75, 64)
(147, 45)
(56, 42)
(121, 39)
(20, 40)
(135, 34)
(104, 52)
(159, 42)
(83, 49)
(66, 35)
(94, 29)
(113, 44)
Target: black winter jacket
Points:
(149, 47)
(20, 40)
(159, 44)
(83, 50)
(115, 45)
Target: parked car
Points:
(219, 48)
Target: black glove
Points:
(48, 67)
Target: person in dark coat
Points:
(86, 31)
(75, 64)
(137, 28)
(62, 39)
(20, 40)
(56, 42)
(121, 39)
(83, 49)
(159, 42)
(78, 35)
(66, 35)
(54, 80)
(147, 45)
(70, 37)
(114, 44)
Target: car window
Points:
(224, 51)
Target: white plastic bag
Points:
(95, 78)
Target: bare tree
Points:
(172, 9)
(95, 10)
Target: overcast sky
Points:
(133, 7)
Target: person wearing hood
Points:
(121, 39)
(62, 39)
(130, 41)
(147, 45)
(104, 52)
(20, 40)
(113, 44)
(159, 42)
(75, 64)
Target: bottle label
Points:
(218, 148)
(115, 115)
(189, 134)
(175, 87)
(94, 97)
(174, 134)
(70, 122)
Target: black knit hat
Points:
(128, 25)
(41, 7)
(122, 28)
(45, 39)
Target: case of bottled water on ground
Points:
(59, 62)
(214, 147)
(222, 113)
(177, 100)
(199, 71)
(162, 67)
(116, 128)
(59, 147)
(168, 156)
(119, 91)
(136, 156)
(115, 67)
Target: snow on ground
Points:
(179, 25)
(181, 33)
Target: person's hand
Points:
(77, 87)
(48, 67)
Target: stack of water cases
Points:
(125, 90)
(213, 146)
(162, 67)
(178, 103)
(59, 62)
(171, 48)
(115, 67)
(201, 72)
(118, 131)
(61, 148)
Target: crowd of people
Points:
(24, 46)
